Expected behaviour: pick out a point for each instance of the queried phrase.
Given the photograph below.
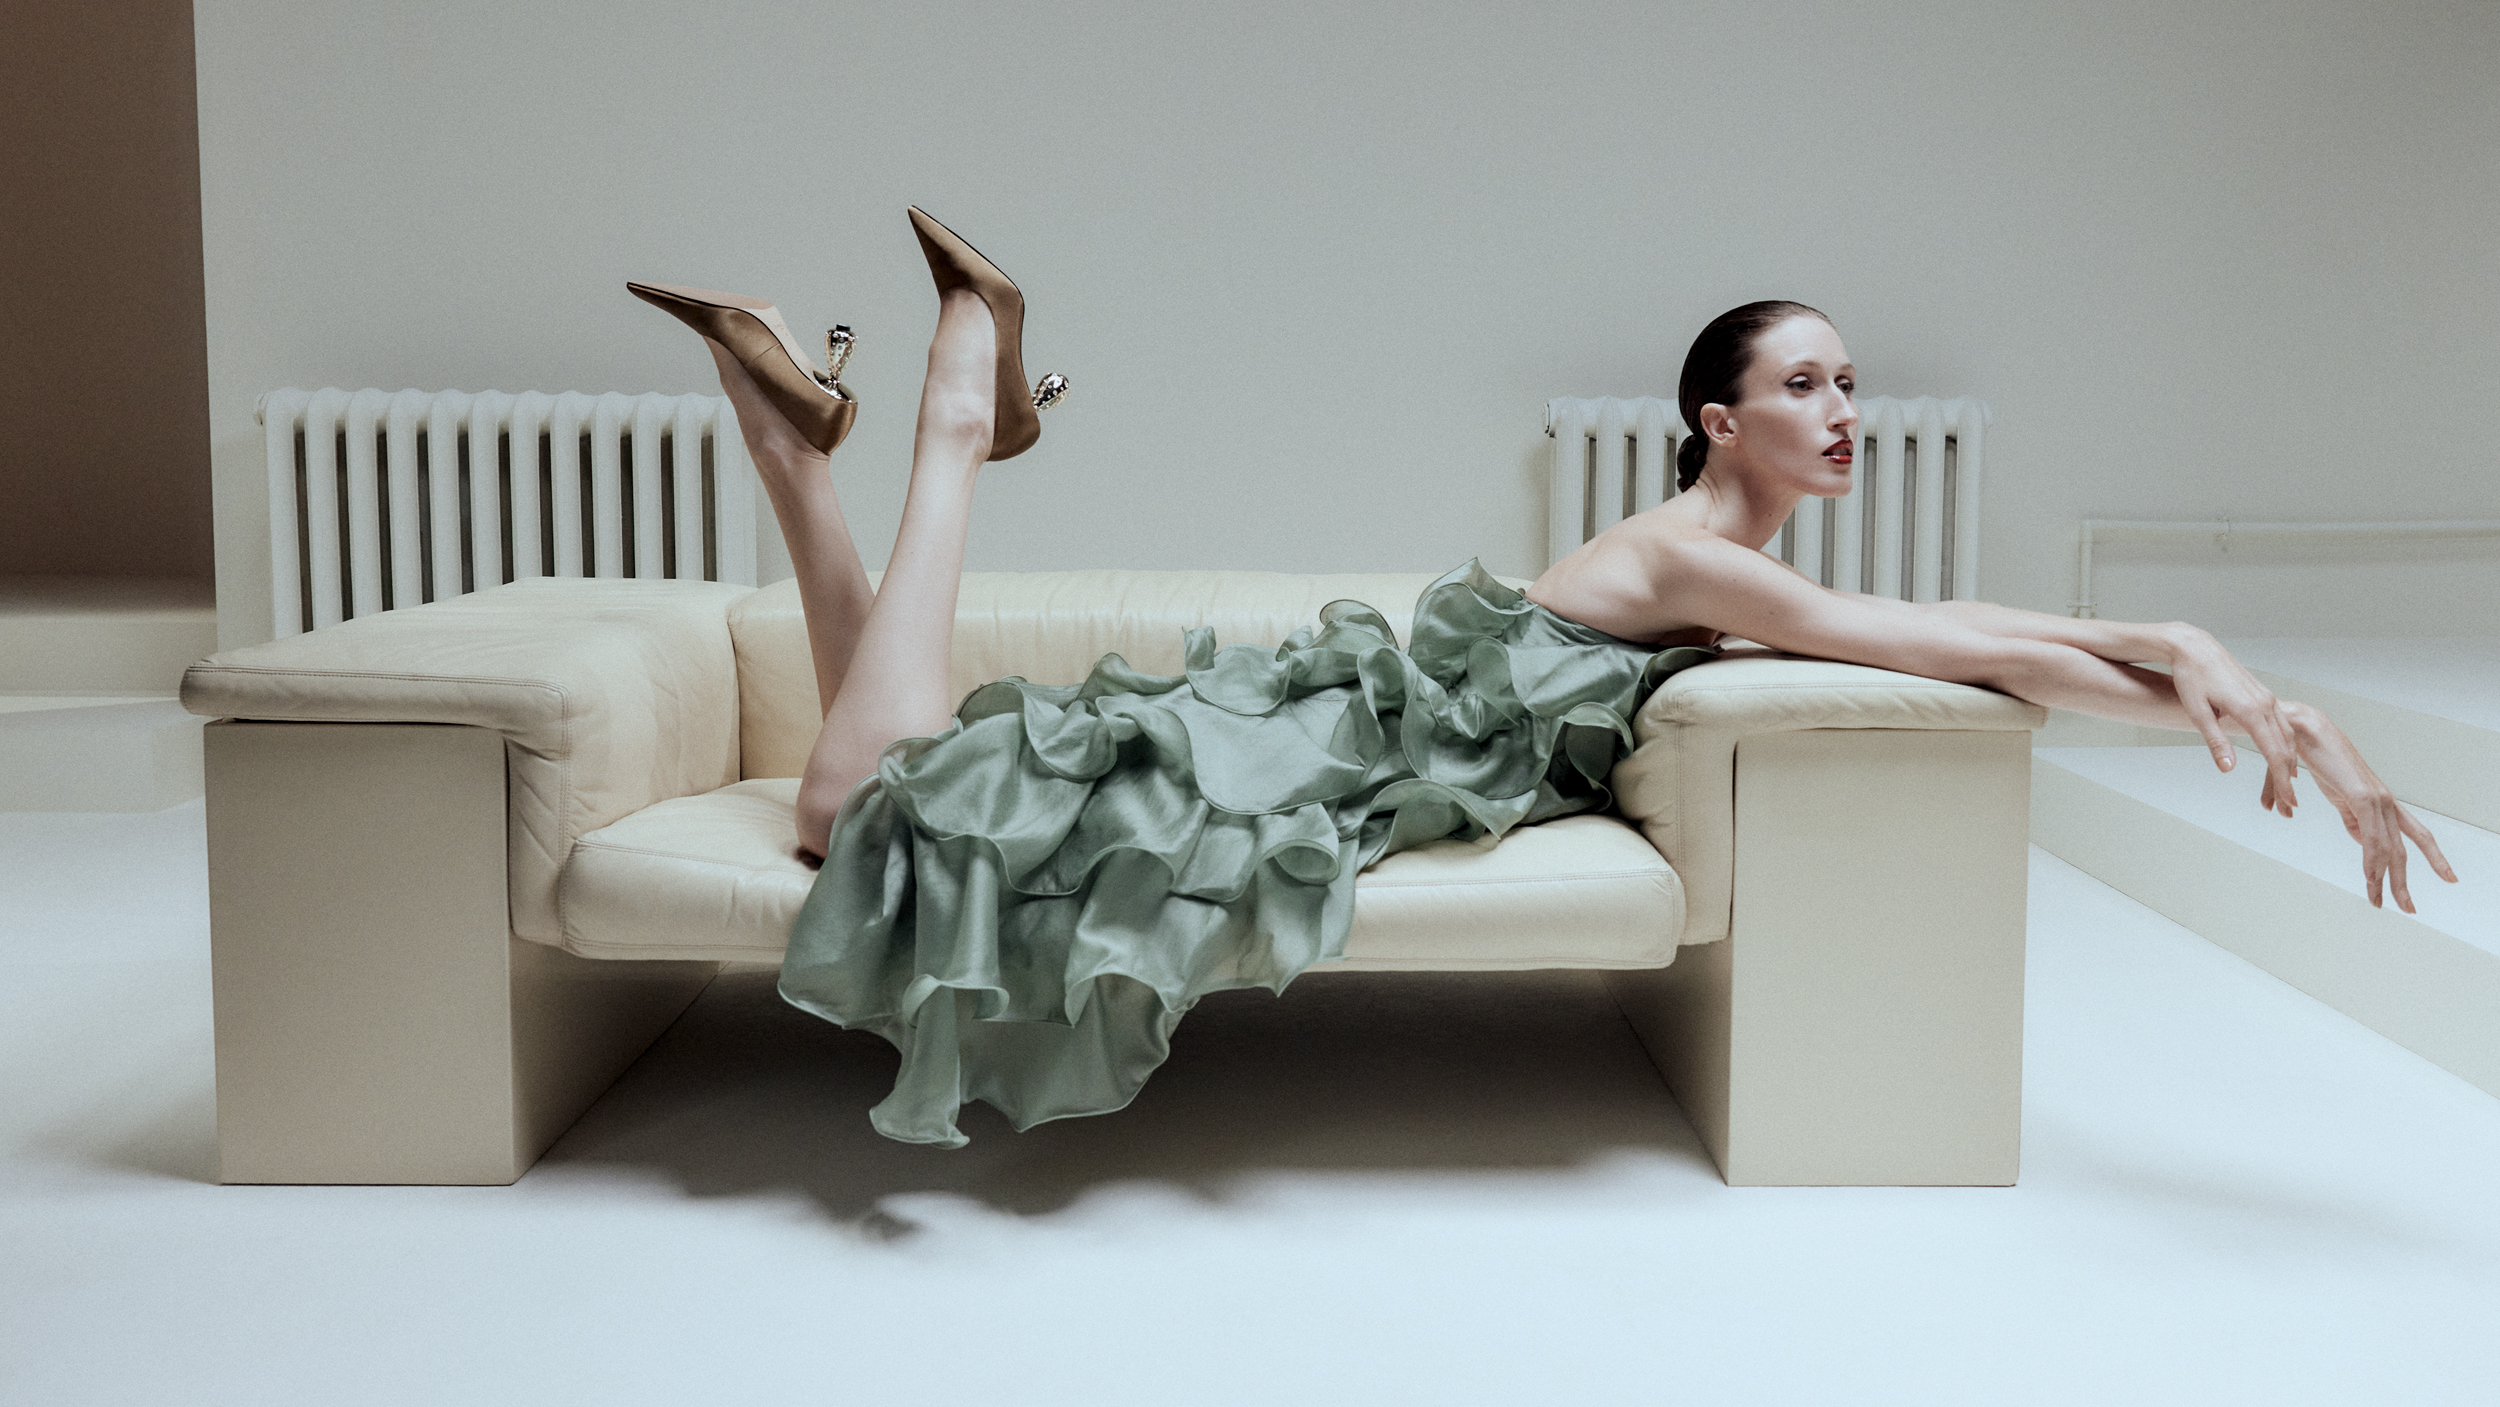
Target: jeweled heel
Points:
(839, 344)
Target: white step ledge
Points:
(102, 634)
(2166, 828)
(97, 753)
(2425, 712)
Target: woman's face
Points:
(1797, 419)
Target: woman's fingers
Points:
(2201, 714)
(2371, 814)
(2215, 691)
(2398, 826)
(2365, 828)
(2362, 824)
(2288, 749)
(2394, 847)
(2355, 824)
(2265, 728)
(2427, 843)
(2383, 833)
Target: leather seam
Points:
(1585, 878)
(1920, 685)
(611, 847)
(635, 952)
(1645, 875)
(1541, 963)
(269, 671)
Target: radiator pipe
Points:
(2222, 530)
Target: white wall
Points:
(1314, 268)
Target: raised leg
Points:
(895, 681)
(833, 584)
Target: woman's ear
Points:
(1719, 423)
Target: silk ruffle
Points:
(1027, 903)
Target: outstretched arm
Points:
(2057, 662)
(2208, 685)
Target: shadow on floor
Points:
(1351, 1073)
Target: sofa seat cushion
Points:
(719, 876)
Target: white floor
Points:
(1380, 1190)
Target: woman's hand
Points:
(2371, 815)
(2213, 688)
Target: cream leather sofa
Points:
(468, 859)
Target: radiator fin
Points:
(379, 500)
(1908, 527)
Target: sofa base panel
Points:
(1862, 1023)
(376, 1022)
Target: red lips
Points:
(1842, 450)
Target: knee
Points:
(818, 806)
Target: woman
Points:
(1024, 893)
(1769, 389)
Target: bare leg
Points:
(833, 585)
(894, 684)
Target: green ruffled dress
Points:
(1027, 903)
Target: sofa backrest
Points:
(1049, 627)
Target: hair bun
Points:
(1689, 457)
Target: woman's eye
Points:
(1847, 388)
(1800, 383)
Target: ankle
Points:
(957, 421)
(963, 355)
(796, 469)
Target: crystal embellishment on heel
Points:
(839, 343)
(1050, 391)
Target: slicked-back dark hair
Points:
(1714, 372)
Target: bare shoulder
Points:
(1648, 578)
(1666, 582)
(1705, 562)
(1742, 592)
(1707, 552)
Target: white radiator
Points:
(1908, 529)
(380, 499)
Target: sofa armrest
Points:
(1679, 783)
(609, 696)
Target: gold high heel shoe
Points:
(816, 403)
(955, 264)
